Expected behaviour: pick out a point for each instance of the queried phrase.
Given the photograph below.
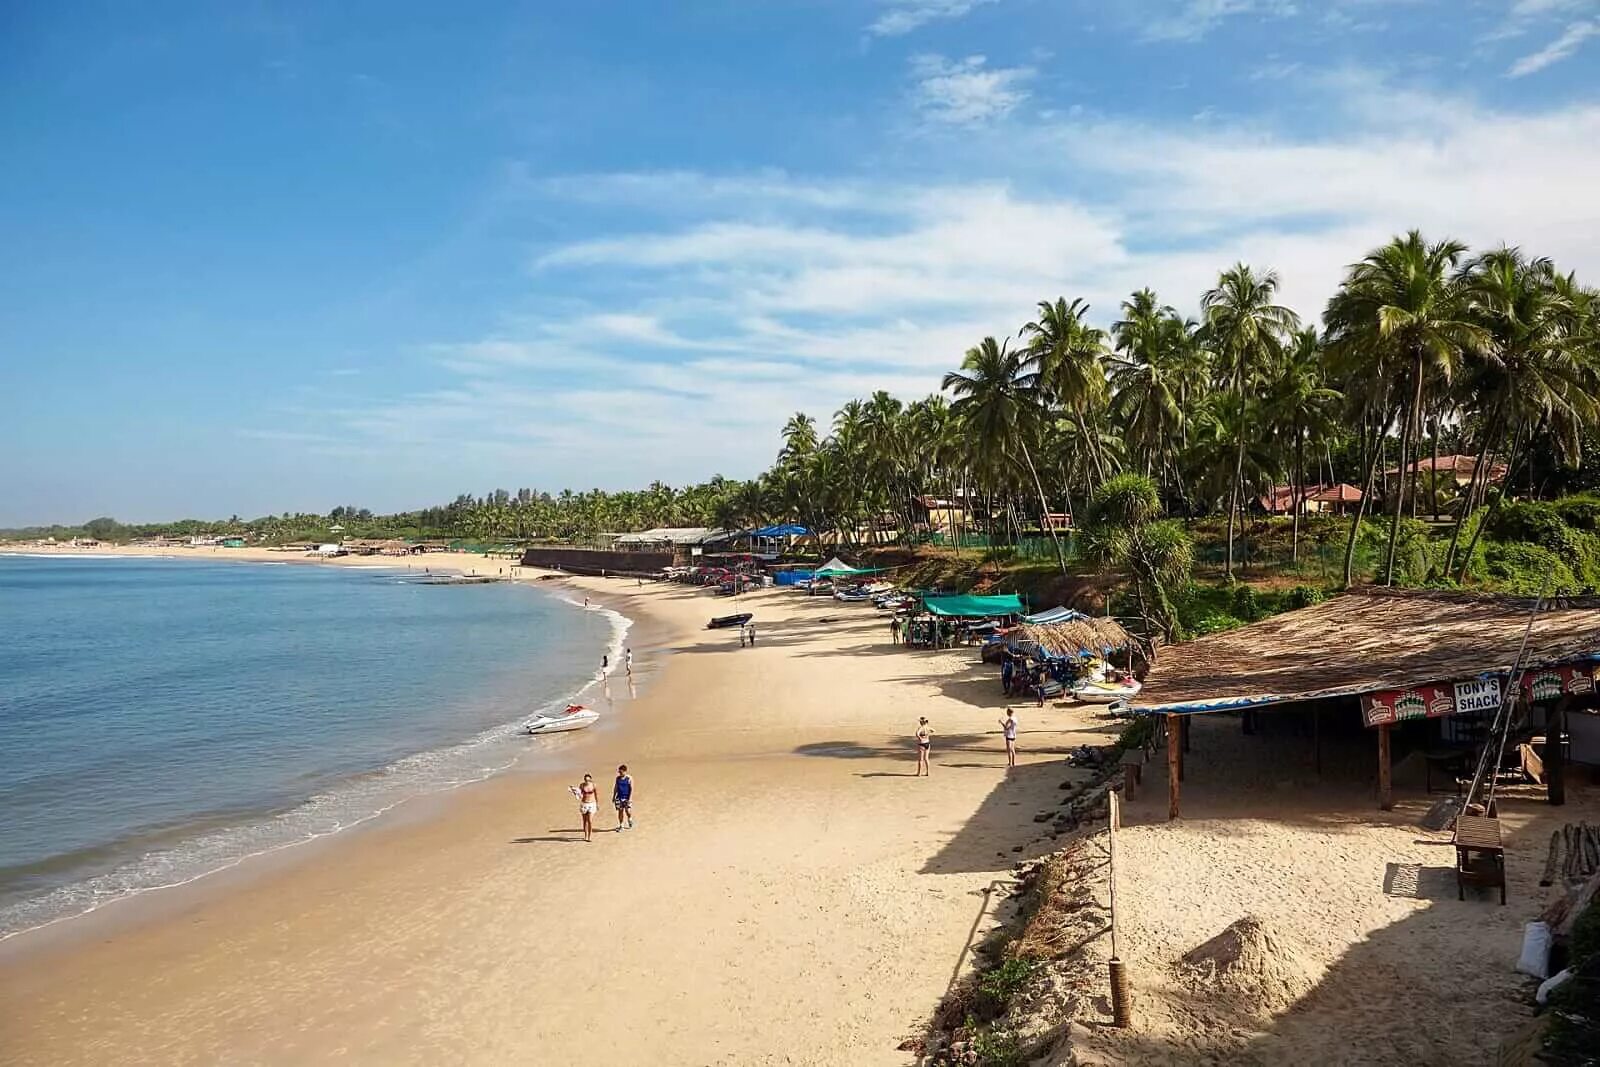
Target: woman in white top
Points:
(1008, 726)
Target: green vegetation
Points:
(1158, 436)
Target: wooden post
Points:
(1385, 786)
(1555, 762)
(1174, 763)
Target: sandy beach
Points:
(791, 894)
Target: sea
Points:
(163, 719)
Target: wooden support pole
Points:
(1174, 763)
(1555, 761)
(1385, 786)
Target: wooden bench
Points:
(1480, 855)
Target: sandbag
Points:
(1535, 958)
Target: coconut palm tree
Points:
(1404, 300)
(1302, 407)
(1246, 333)
(1068, 357)
(997, 399)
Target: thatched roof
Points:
(1075, 637)
(1368, 641)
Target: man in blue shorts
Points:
(622, 797)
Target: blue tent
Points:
(786, 530)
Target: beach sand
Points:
(791, 893)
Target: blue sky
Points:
(268, 256)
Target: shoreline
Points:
(105, 916)
(791, 892)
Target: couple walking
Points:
(924, 735)
(588, 795)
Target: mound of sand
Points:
(1248, 963)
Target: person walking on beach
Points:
(894, 630)
(605, 662)
(588, 803)
(1008, 726)
(627, 661)
(924, 743)
(622, 797)
(751, 625)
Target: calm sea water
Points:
(160, 719)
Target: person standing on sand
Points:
(752, 625)
(894, 630)
(1008, 726)
(622, 797)
(924, 743)
(588, 803)
(605, 663)
(627, 661)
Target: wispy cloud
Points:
(966, 92)
(1562, 47)
(903, 16)
(1191, 20)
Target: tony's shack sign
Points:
(1436, 700)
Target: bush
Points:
(1137, 733)
(1215, 622)
(1528, 570)
(996, 1049)
(1303, 596)
(997, 987)
(1531, 521)
(1579, 512)
(1244, 604)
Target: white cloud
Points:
(903, 16)
(966, 92)
(723, 315)
(1191, 20)
(1570, 41)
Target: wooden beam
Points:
(1174, 763)
(1385, 786)
(1555, 761)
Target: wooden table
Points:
(1480, 855)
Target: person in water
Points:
(1008, 726)
(622, 797)
(924, 743)
(588, 803)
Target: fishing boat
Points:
(723, 622)
(576, 717)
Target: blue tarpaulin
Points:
(786, 530)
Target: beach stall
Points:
(950, 618)
(1428, 672)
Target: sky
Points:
(272, 256)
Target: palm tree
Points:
(1067, 354)
(1301, 406)
(1157, 373)
(1125, 533)
(1538, 369)
(1402, 300)
(1246, 332)
(998, 402)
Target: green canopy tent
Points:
(973, 607)
(837, 568)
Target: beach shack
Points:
(1420, 670)
(965, 616)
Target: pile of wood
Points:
(1574, 854)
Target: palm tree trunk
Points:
(1412, 415)
(1494, 505)
(1475, 483)
(1297, 493)
(1374, 454)
(1061, 558)
(1234, 494)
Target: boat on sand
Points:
(722, 622)
(576, 717)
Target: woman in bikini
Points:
(924, 742)
(588, 803)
